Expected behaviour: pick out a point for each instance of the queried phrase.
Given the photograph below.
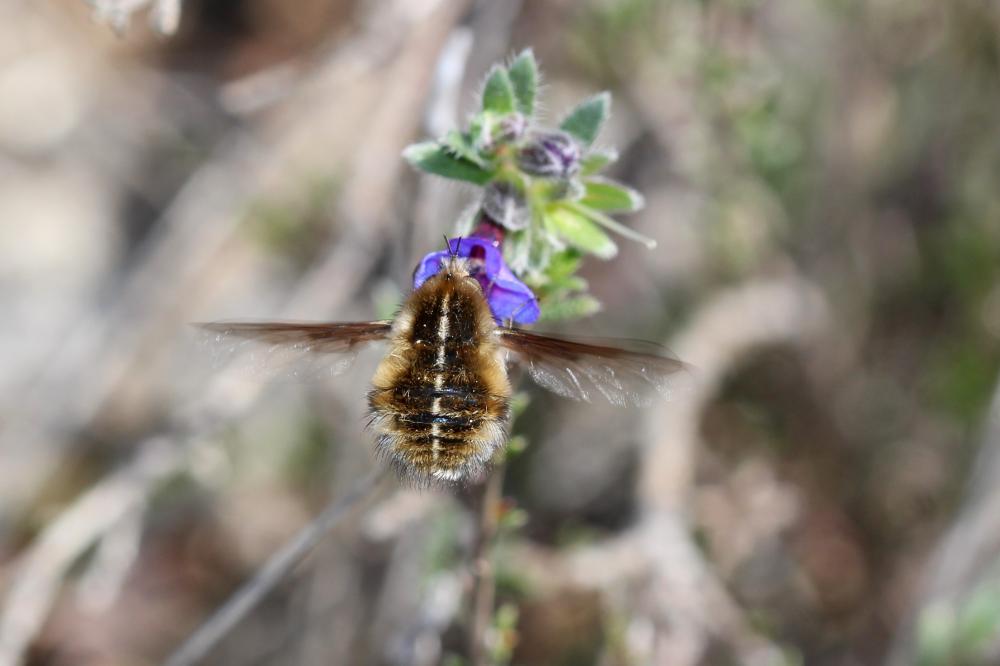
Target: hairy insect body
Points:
(440, 398)
(439, 403)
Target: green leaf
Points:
(516, 445)
(540, 252)
(563, 265)
(571, 283)
(560, 272)
(519, 402)
(460, 146)
(597, 160)
(478, 132)
(434, 158)
(498, 93)
(584, 122)
(610, 223)
(524, 79)
(561, 285)
(580, 232)
(573, 307)
(513, 519)
(607, 195)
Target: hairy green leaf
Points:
(524, 79)
(460, 146)
(584, 122)
(580, 232)
(434, 158)
(607, 195)
(572, 283)
(498, 93)
(563, 264)
(573, 307)
(596, 161)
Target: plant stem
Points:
(483, 582)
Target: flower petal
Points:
(489, 253)
(429, 267)
(513, 300)
(508, 297)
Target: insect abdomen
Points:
(443, 433)
(439, 405)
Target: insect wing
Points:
(623, 372)
(299, 350)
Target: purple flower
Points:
(509, 298)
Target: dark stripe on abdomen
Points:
(445, 423)
(421, 398)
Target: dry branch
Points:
(37, 578)
(275, 570)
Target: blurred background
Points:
(823, 180)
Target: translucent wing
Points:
(319, 337)
(623, 372)
(303, 350)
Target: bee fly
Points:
(440, 398)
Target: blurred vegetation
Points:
(857, 141)
(851, 145)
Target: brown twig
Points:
(208, 635)
(483, 581)
(40, 571)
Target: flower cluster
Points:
(543, 206)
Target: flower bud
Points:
(496, 131)
(504, 203)
(550, 155)
(511, 128)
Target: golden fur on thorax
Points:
(440, 398)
